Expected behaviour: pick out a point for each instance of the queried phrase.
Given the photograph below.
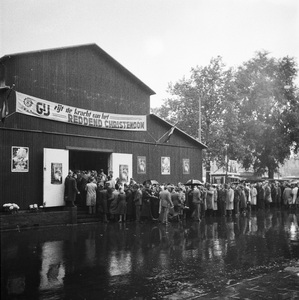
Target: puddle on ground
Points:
(145, 261)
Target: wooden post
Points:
(199, 119)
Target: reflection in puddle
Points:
(294, 228)
(120, 263)
(105, 261)
(217, 250)
(52, 269)
(16, 285)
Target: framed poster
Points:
(186, 166)
(141, 165)
(124, 173)
(165, 165)
(56, 173)
(19, 159)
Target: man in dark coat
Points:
(260, 196)
(222, 201)
(66, 184)
(71, 189)
(81, 187)
(129, 200)
(138, 201)
(102, 201)
(146, 212)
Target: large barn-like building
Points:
(78, 108)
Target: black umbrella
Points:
(193, 182)
(151, 181)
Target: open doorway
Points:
(89, 160)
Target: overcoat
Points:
(129, 199)
(268, 197)
(165, 199)
(230, 199)
(114, 205)
(210, 199)
(71, 189)
(253, 196)
(294, 193)
(91, 194)
(215, 202)
(146, 204)
(287, 196)
(121, 203)
(243, 199)
(102, 197)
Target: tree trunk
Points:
(208, 172)
(270, 173)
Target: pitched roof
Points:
(100, 51)
(203, 146)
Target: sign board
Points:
(41, 108)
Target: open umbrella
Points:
(294, 182)
(193, 182)
(151, 181)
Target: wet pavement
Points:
(249, 257)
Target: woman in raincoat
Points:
(229, 200)
(122, 205)
(91, 196)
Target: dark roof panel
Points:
(100, 51)
(203, 146)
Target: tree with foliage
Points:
(267, 112)
(214, 85)
(254, 110)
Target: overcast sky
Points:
(159, 41)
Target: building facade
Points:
(78, 108)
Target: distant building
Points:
(290, 168)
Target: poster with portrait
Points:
(56, 173)
(141, 165)
(19, 159)
(186, 166)
(124, 173)
(165, 165)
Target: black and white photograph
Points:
(19, 159)
(149, 150)
(186, 166)
(141, 164)
(165, 165)
(56, 173)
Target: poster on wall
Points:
(165, 165)
(124, 173)
(186, 166)
(141, 165)
(56, 173)
(19, 159)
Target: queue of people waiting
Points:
(115, 201)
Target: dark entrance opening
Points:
(88, 160)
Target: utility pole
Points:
(226, 162)
(199, 119)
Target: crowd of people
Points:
(115, 201)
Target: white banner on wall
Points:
(40, 108)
